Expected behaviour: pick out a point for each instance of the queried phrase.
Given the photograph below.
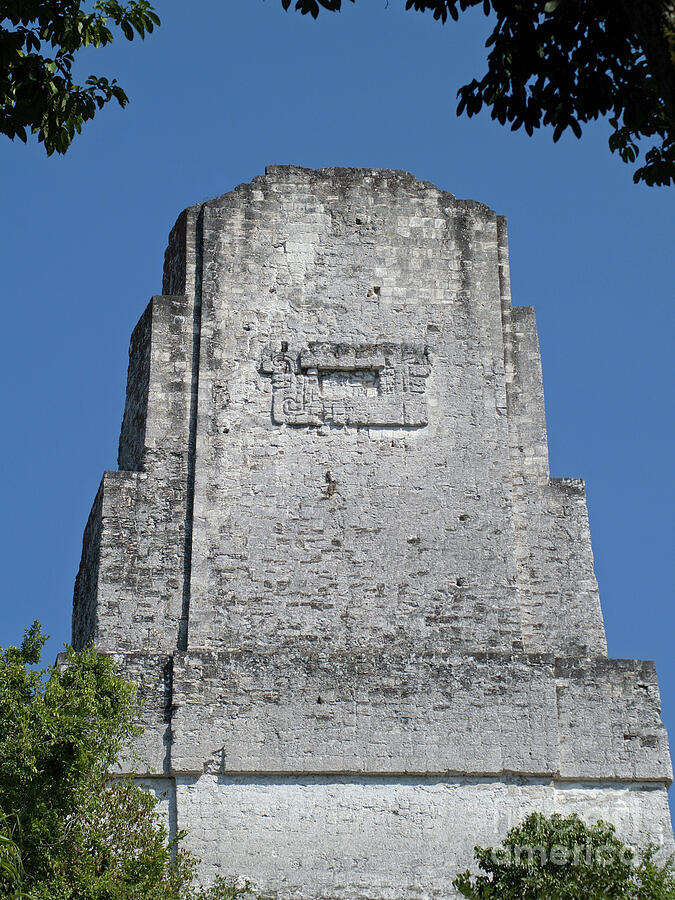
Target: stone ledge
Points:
(487, 714)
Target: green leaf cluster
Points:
(564, 63)
(68, 830)
(39, 41)
(11, 863)
(563, 858)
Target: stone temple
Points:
(363, 616)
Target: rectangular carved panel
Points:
(343, 384)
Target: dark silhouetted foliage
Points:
(563, 63)
(39, 40)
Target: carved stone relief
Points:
(344, 384)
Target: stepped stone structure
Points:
(363, 616)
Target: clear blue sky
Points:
(221, 90)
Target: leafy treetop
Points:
(563, 858)
(68, 831)
(39, 40)
(563, 63)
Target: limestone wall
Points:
(364, 618)
(389, 837)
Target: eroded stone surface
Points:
(346, 384)
(364, 617)
(390, 837)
